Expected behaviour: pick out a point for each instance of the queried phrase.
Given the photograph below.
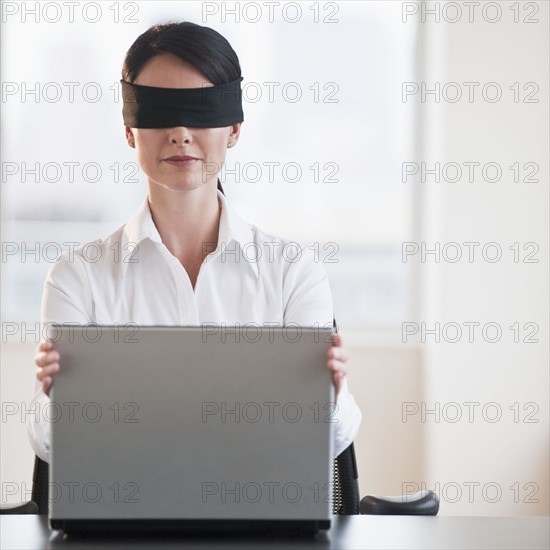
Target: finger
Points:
(336, 340)
(337, 366)
(40, 359)
(339, 353)
(46, 372)
(45, 358)
(45, 345)
(39, 348)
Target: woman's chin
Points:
(180, 183)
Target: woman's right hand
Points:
(47, 361)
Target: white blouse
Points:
(131, 277)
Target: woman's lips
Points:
(181, 161)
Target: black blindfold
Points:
(206, 107)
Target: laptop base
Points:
(189, 527)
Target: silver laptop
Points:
(191, 429)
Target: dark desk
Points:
(32, 532)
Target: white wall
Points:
(16, 388)
(505, 452)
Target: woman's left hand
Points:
(337, 357)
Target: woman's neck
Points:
(188, 220)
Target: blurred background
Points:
(408, 143)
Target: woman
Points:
(184, 258)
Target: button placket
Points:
(187, 304)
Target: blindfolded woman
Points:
(186, 257)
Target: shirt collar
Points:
(232, 228)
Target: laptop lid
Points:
(208, 422)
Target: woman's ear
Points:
(129, 136)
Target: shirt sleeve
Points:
(308, 302)
(66, 298)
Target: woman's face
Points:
(155, 145)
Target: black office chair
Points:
(346, 500)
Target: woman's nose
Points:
(179, 135)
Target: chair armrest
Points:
(29, 507)
(423, 503)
